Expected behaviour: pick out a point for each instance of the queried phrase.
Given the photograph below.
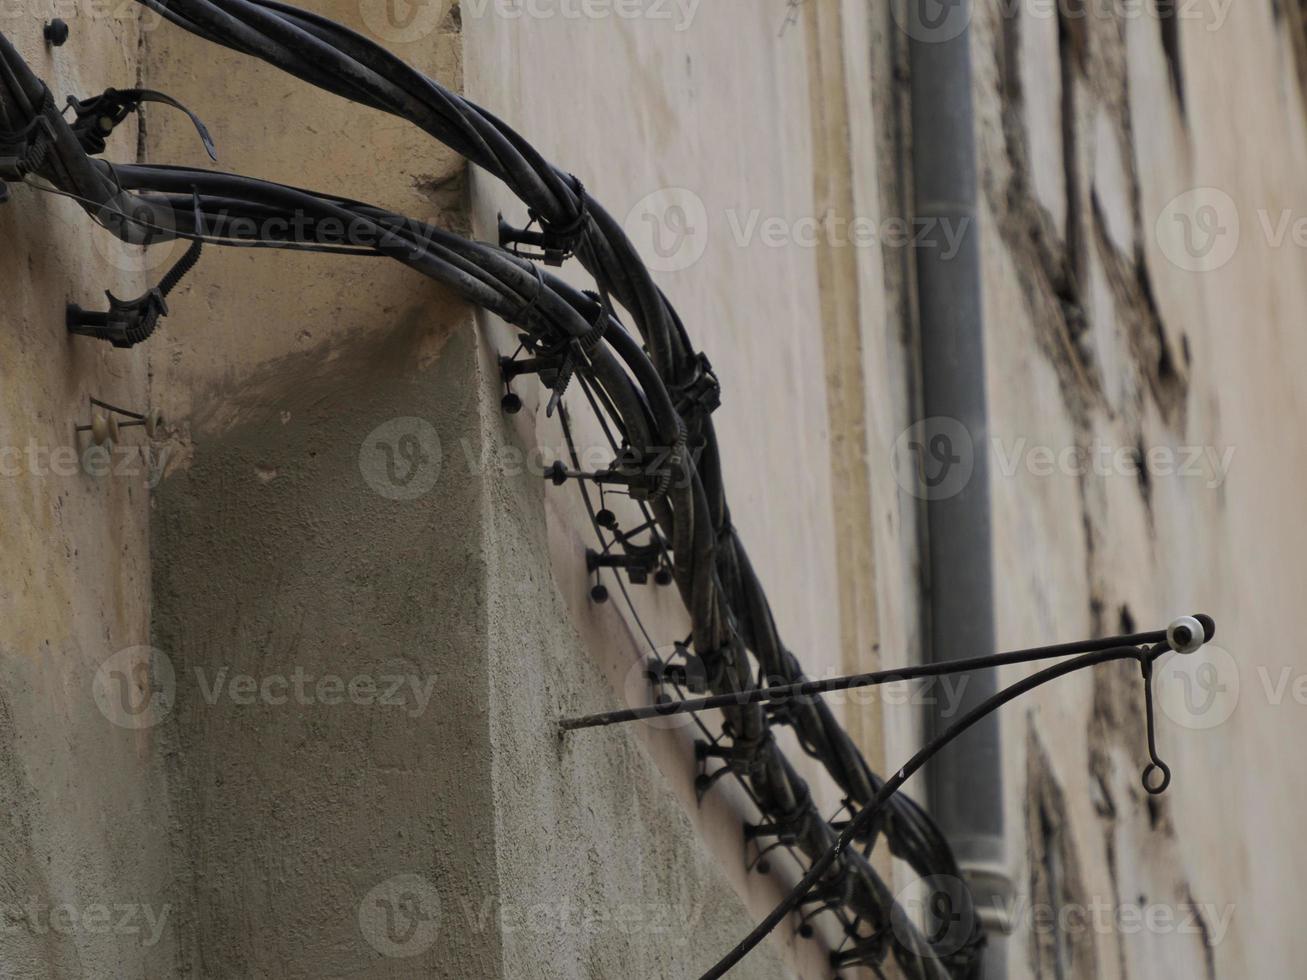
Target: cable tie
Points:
(571, 232)
(23, 151)
(701, 394)
(554, 244)
(522, 316)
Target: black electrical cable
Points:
(773, 774)
(263, 197)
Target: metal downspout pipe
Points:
(965, 785)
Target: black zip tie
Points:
(521, 317)
(556, 243)
(571, 232)
(23, 151)
(869, 953)
(701, 394)
(130, 322)
(579, 351)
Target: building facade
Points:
(269, 709)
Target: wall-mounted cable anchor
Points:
(511, 369)
(740, 758)
(639, 562)
(96, 118)
(125, 324)
(829, 898)
(511, 403)
(705, 781)
(782, 831)
(105, 426)
(598, 591)
(757, 834)
(688, 671)
(555, 369)
(551, 250)
(869, 953)
(625, 471)
(129, 322)
(640, 559)
(553, 244)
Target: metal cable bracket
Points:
(129, 322)
(96, 118)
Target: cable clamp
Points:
(786, 827)
(688, 671)
(129, 322)
(125, 324)
(553, 244)
(23, 151)
(868, 953)
(631, 469)
(97, 117)
(701, 395)
(639, 561)
(577, 355)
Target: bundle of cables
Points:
(655, 389)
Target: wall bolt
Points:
(56, 33)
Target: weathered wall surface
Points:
(601, 870)
(84, 872)
(285, 545)
(1143, 259)
(1144, 375)
(720, 133)
(1140, 223)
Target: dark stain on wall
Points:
(274, 558)
(1168, 23)
(1058, 948)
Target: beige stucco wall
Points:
(1125, 348)
(254, 834)
(543, 860)
(1167, 348)
(85, 888)
(717, 132)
